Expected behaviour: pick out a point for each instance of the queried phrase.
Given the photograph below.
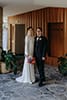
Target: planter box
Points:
(3, 68)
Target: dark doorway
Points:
(56, 39)
(17, 36)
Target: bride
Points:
(28, 75)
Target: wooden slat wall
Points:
(54, 15)
(41, 18)
(65, 31)
(34, 19)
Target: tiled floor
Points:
(55, 89)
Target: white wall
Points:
(5, 37)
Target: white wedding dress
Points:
(28, 75)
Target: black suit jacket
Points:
(40, 47)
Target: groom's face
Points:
(39, 32)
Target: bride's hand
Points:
(30, 56)
(26, 55)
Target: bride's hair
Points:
(29, 29)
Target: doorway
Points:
(56, 39)
(17, 36)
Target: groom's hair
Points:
(39, 28)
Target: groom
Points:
(40, 49)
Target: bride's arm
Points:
(26, 46)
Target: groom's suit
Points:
(40, 49)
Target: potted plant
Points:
(10, 60)
(62, 64)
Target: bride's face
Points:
(30, 32)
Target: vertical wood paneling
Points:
(65, 31)
(41, 18)
(37, 18)
(30, 19)
(55, 14)
(43, 21)
(34, 20)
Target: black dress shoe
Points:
(36, 80)
(41, 84)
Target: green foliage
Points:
(62, 64)
(10, 61)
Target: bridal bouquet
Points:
(31, 60)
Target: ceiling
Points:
(13, 7)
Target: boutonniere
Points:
(37, 38)
(40, 39)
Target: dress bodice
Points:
(29, 45)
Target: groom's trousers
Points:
(40, 66)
